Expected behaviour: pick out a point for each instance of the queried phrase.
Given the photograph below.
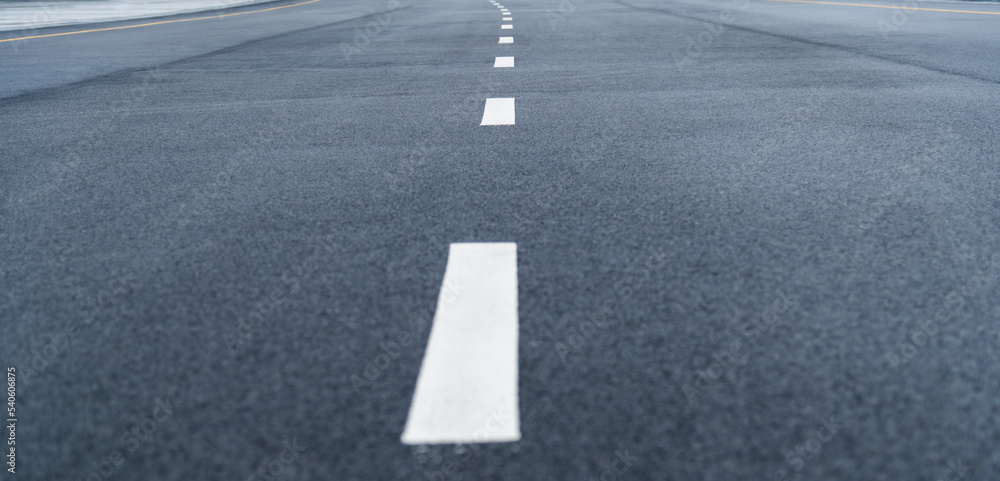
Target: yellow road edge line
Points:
(889, 6)
(156, 23)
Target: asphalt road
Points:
(755, 240)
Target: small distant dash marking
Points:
(498, 112)
(503, 62)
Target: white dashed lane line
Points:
(498, 112)
(467, 387)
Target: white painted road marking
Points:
(503, 62)
(506, 39)
(498, 112)
(506, 27)
(467, 387)
(504, 10)
(507, 19)
(506, 13)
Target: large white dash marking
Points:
(467, 387)
(498, 112)
(503, 62)
(506, 27)
(506, 40)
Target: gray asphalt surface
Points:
(223, 239)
